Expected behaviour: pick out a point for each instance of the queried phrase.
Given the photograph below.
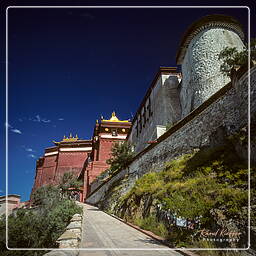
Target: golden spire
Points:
(67, 139)
(114, 118)
(70, 138)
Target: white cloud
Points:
(21, 120)
(16, 131)
(40, 119)
(13, 129)
(45, 120)
(28, 149)
(31, 155)
(61, 119)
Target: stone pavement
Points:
(100, 230)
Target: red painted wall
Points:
(105, 146)
(70, 162)
(53, 167)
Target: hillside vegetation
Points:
(206, 189)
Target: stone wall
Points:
(69, 239)
(201, 66)
(161, 107)
(10, 201)
(226, 109)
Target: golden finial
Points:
(114, 118)
(68, 139)
(97, 121)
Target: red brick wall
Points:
(48, 170)
(105, 146)
(75, 159)
(38, 179)
(97, 168)
(70, 162)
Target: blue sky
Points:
(67, 67)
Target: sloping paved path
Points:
(100, 230)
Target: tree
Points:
(46, 195)
(232, 58)
(121, 155)
(69, 183)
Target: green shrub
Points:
(151, 223)
(190, 186)
(232, 58)
(40, 226)
(121, 155)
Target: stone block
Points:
(74, 225)
(71, 243)
(67, 235)
(76, 217)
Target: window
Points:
(137, 130)
(149, 107)
(144, 117)
(114, 132)
(140, 123)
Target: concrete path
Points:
(100, 230)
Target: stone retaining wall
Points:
(70, 238)
(227, 110)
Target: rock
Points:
(69, 243)
(74, 225)
(76, 217)
(67, 235)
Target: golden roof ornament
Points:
(70, 138)
(114, 118)
(67, 139)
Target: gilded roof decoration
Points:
(114, 118)
(68, 139)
